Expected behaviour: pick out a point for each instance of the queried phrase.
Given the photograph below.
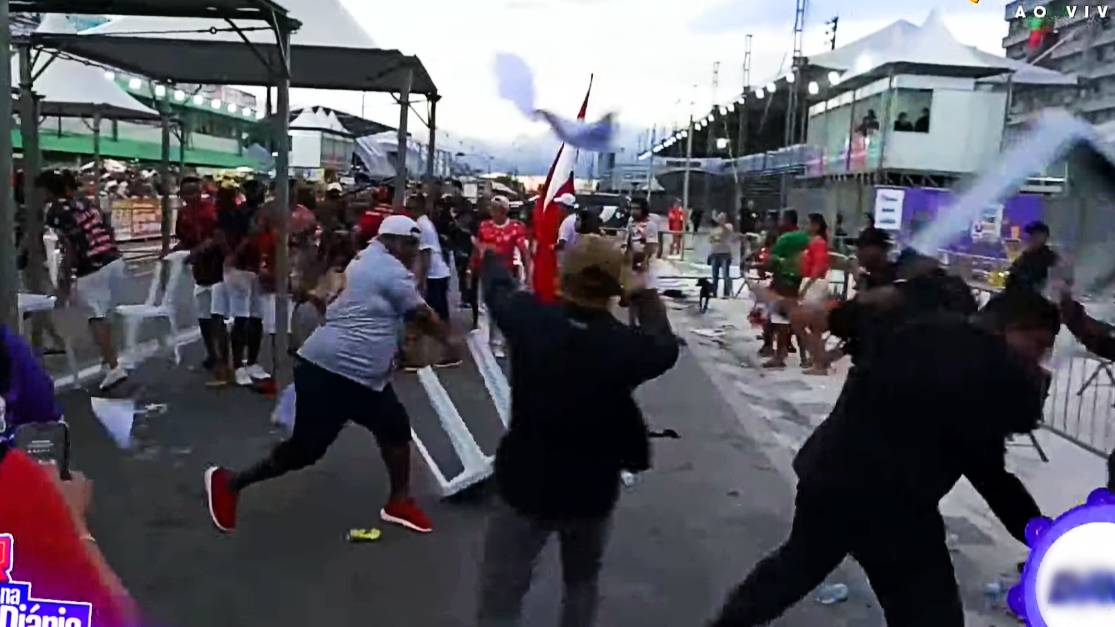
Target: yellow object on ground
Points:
(363, 535)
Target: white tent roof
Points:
(931, 44)
(375, 159)
(70, 86)
(313, 118)
(324, 23)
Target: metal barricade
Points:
(1080, 406)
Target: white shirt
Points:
(428, 240)
(642, 233)
(567, 232)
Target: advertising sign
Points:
(888, 208)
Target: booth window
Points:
(912, 108)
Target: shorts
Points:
(326, 401)
(265, 305)
(203, 300)
(240, 294)
(102, 290)
(818, 293)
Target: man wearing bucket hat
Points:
(558, 468)
(344, 373)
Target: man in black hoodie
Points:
(935, 403)
(574, 424)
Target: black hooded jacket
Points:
(936, 403)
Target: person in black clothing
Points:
(558, 467)
(903, 123)
(1099, 338)
(922, 125)
(936, 404)
(1031, 269)
(461, 228)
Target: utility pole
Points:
(830, 32)
(710, 139)
(743, 120)
(792, 88)
(9, 279)
(650, 163)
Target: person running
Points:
(90, 252)
(504, 237)
(936, 404)
(194, 230)
(343, 373)
(557, 469)
(808, 318)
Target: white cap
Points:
(567, 199)
(399, 225)
(334, 187)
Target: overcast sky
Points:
(651, 58)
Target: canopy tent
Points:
(223, 62)
(376, 161)
(266, 11)
(258, 10)
(312, 119)
(231, 63)
(70, 88)
(323, 23)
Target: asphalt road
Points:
(692, 527)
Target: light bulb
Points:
(199, 99)
(216, 104)
(135, 83)
(814, 88)
(179, 95)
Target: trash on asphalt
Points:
(155, 409)
(832, 593)
(117, 416)
(629, 478)
(363, 535)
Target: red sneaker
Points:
(222, 498)
(406, 512)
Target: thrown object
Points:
(117, 416)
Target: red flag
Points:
(547, 216)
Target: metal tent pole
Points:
(688, 158)
(97, 160)
(36, 273)
(9, 309)
(431, 156)
(164, 175)
(650, 164)
(401, 157)
(282, 202)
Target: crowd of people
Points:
(935, 387)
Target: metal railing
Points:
(1080, 406)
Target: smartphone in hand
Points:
(47, 443)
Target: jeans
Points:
(722, 261)
(906, 561)
(511, 550)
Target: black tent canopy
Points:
(232, 63)
(258, 10)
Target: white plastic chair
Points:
(156, 307)
(41, 303)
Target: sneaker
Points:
(498, 352)
(243, 377)
(113, 377)
(257, 373)
(449, 362)
(766, 351)
(221, 497)
(774, 364)
(405, 512)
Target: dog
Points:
(707, 292)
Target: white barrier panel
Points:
(477, 465)
(494, 378)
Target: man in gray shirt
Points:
(344, 373)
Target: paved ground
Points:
(689, 530)
(716, 501)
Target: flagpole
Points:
(650, 163)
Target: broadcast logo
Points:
(1069, 578)
(19, 609)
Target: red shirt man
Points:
(676, 218)
(503, 236)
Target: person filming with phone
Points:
(45, 515)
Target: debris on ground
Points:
(832, 593)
